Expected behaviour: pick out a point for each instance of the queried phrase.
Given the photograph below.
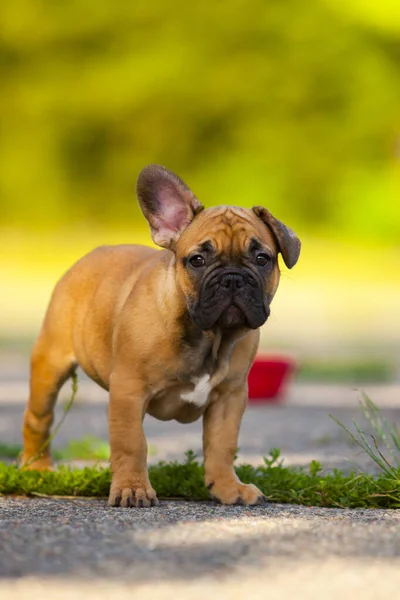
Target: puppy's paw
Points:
(129, 494)
(236, 492)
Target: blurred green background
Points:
(290, 104)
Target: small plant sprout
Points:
(384, 434)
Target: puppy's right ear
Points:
(167, 203)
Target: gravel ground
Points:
(76, 549)
(83, 549)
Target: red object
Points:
(268, 376)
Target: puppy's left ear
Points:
(288, 242)
(167, 203)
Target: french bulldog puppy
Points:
(170, 332)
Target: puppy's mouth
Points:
(232, 317)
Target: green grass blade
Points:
(386, 431)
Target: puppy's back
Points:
(86, 302)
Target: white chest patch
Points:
(201, 391)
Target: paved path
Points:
(83, 549)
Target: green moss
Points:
(174, 480)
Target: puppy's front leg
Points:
(220, 438)
(130, 484)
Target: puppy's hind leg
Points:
(52, 363)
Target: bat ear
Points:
(167, 203)
(288, 242)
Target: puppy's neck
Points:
(170, 301)
(211, 350)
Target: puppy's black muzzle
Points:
(231, 298)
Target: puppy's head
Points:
(226, 257)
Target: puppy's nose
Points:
(232, 280)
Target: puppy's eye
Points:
(263, 259)
(197, 260)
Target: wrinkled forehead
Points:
(229, 229)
